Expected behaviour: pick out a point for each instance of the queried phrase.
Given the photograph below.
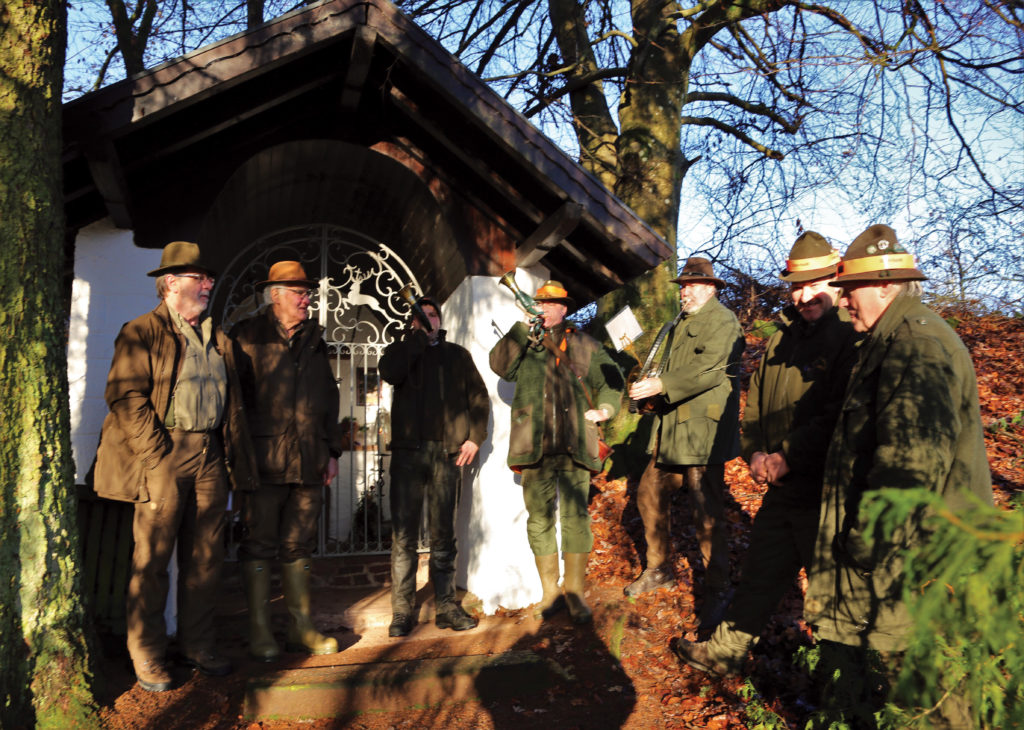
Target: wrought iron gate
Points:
(358, 306)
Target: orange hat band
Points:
(818, 262)
(551, 292)
(876, 263)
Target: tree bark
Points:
(44, 677)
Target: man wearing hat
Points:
(174, 412)
(438, 422)
(566, 384)
(791, 408)
(696, 431)
(291, 402)
(909, 419)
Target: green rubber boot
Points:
(551, 602)
(256, 575)
(302, 634)
(575, 577)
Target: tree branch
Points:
(732, 131)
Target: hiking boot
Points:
(699, 656)
(209, 663)
(401, 625)
(153, 675)
(455, 618)
(650, 580)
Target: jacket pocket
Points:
(270, 445)
(521, 437)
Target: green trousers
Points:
(557, 480)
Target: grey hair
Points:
(912, 288)
(161, 286)
(266, 297)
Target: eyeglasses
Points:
(308, 293)
(201, 278)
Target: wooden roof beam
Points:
(108, 176)
(549, 233)
(363, 41)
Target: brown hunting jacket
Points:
(148, 354)
(291, 399)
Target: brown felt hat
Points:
(180, 255)
(288, 272)
(553, 291)
(811, 258)
(876, 255)
(698, 269)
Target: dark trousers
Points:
(188, 494)
(280, 522)
(425, 476)
(781, 542)
(706, 487)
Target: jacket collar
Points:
(874, 344)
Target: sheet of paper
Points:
(623, 328)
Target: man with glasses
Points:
(291, 402)
(174, 412)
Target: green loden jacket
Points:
(549, 402)
(910, 418)
(699, 421)
(795, 395)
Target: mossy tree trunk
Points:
(44, 675)
(647, 168)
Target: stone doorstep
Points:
(336, 691)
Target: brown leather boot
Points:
(651, 580)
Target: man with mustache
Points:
(695, 432)
(791, 408)
(175, 412)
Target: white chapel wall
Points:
(109, 289)
(495, 562)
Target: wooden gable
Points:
(345, 112)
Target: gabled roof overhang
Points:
(363, 73)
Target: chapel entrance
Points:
(361, 312)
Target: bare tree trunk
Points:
(595, 128)
(253, 13)
(44, 680)
(132, 40)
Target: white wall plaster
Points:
(495, 561)
(110, 288)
